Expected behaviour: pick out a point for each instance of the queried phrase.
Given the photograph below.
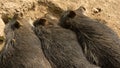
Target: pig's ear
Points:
(5, 18)
(39, 22)
(14, 23)
(71, 14)
(66, 15)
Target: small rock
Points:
(97, 10)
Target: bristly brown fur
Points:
(94, 38)
(22, 47)
(60, 46)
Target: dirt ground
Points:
(104, 10)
